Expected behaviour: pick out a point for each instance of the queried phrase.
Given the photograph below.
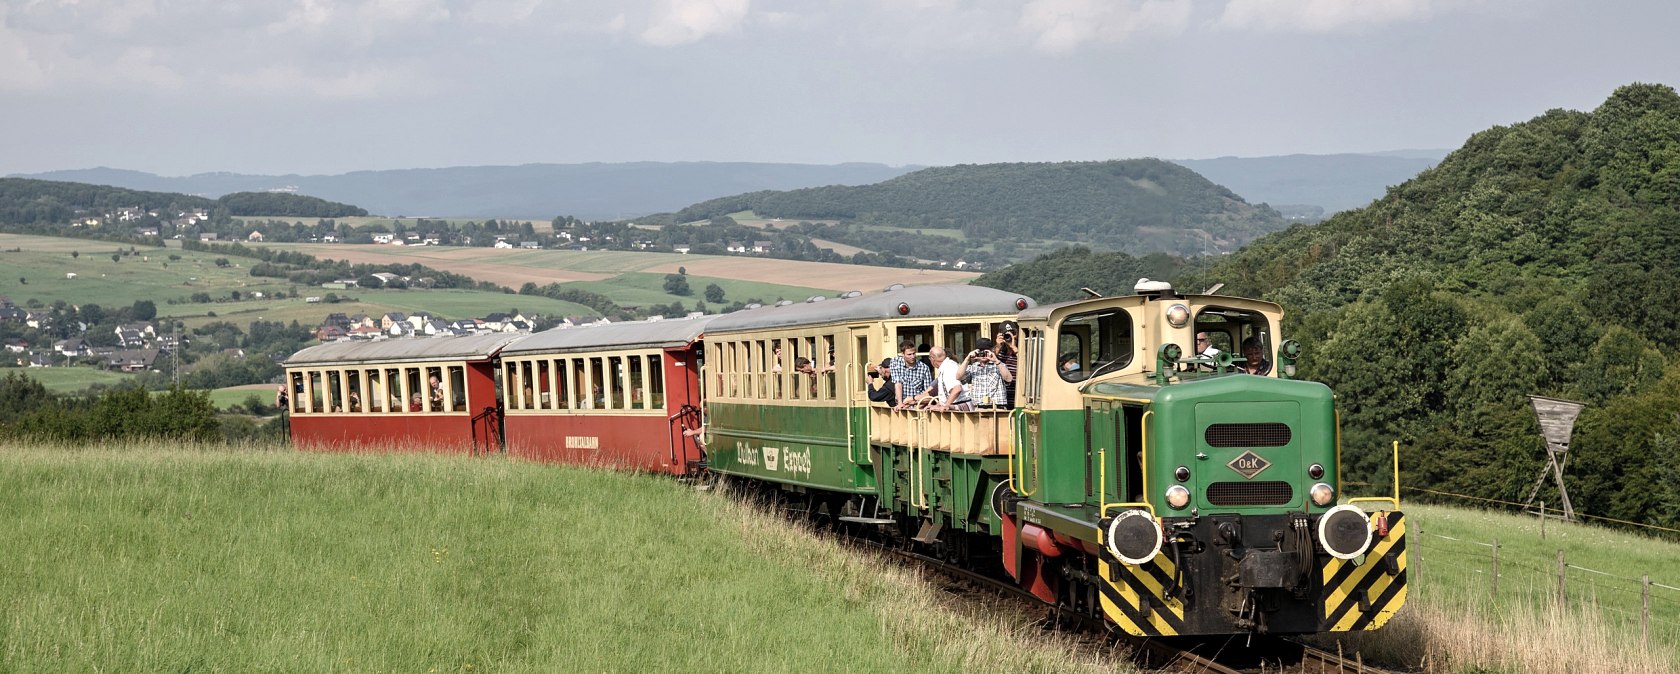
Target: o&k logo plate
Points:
(1249, 464)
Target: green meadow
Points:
(152, 558)
(70, 379)
(1455, 621)
(40, 271)
(642, 289)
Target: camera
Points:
(874, 375)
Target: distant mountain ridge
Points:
(543, 191)
(1334, 182)
(1011, 210)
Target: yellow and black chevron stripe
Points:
(1135, 597)
(1364, 596)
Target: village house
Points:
(500, 243)
(254, 236)
(75, 347)
(392, 318)
(384, 238)
(207, 236)
(761, 247)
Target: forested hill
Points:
(49, 203)
(1136, 205)
(1539, 258)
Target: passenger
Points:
(776, 356)
(881, 385)
(1205, 347)
(1254, 357)
(414, 403)
(986, 375)
(1068, 366)
(911, 377)
(803, 365)
(355, 402)
(1007, 356)
(437, 390)
(698, 433)
(951, 394)
(280, 398)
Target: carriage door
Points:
(483, 404)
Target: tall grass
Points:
(150, 558)
(1454, 622)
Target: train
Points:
(1157, 464)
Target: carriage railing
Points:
(986, 432)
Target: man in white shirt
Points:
(951, 395)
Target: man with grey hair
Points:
(948, 376)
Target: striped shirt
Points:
(914, 380)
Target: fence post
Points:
(1495, 575)
(1542, 520)
(1645, 611)
(1417, 562)
(1562, 574)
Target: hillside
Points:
(155, 557)
(1014, 210)
(57, 204)
(594, 191)
(1331, 182)
(1541, 257)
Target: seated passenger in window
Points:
(1254, 357)
(355, 402)
(1068, 366)
(414, 403)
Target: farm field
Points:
(147, 558)
(515, 267)
(39, 271)
(641, 289)
(69, 379)
(1453, 617)
(235, 395)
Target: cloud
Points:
(1321, 16)
(355, 84)
(1061, 26)
(679, 22)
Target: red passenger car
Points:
(437, 393)
(616, 395)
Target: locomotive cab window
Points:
(1245, 335)
(1096, 342)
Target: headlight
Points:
(1315, 471)
(1322, 494)
(1134, 537)
(1182, 473)
(1345, 532)
(1178, 315)
(1178, 496)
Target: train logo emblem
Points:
(1249, 464)
(771, 454)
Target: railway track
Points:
(1226, 655)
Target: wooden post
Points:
(1645, 611)
(1417, 561)
(1495, 576)
(1542, 520)
(1562, 574)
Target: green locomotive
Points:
(1170, 486)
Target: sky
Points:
(177, 87)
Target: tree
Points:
(143, 310)
(677, 284)
(235, 296)
(116, 257)
(222, 262)
(682, 271)
(75, 254)
(714, 293)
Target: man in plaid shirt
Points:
(986, 375)
(912, 377)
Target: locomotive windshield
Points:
(1095, 342)
(1246, 335)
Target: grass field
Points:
(39, 271)
(642, 289)
(153, 559)
(236, 395)
(515, 267)
(1454, 622)
(68, 379)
